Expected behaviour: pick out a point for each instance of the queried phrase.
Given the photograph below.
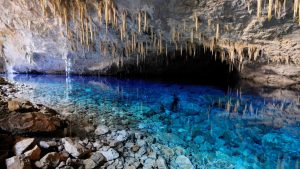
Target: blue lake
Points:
(214, 128)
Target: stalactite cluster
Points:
(140, 37)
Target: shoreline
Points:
(34, 146)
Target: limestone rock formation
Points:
(261, 40)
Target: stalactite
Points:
(160, 43)
(145, 21)
(192, 36)
(140, 22)
(106, 2)
(270, 9)
(218, 32)
(299, 13)
(248, 5)
(181, 50)
(259, 8)
(166, 49)
(196, 22)
(296, 6)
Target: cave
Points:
(136, 84)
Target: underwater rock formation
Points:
(259, 38)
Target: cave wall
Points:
(35, 42)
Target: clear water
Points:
(214, 128)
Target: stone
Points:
(110, 154)
(14, 105)
(161, 163)
(30, 123)
(95, 160)
(23, 145)
(101, 130)
(33, 154)
(50, 160)
(183, 162)
(17, 162)
(89, 164)
(149, 163)
(121, 136)
(135, 148)
(74, 148)
(47, 144)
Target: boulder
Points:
(17, 162)
(13, 105)
(20, 106)
(110, 154)
(30, 123)
(101, 129)
(33, 154)
(74, 148)
(23, 145)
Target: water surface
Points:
(213, 127)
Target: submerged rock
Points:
(109, 153)
(101, 129)
(23, 145)
(17, 162)
(183, 162)
(74, 148)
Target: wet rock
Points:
(74, 148)
(121, 135)
(30, 123)
(33, 154)
(23, 145)
(101, 130)
(3, 81)
(161, 163)
(17, 162)
(50, 160)
(13, 105)
(149, 163)
(135, 148)
(109, 153)
(183, 162)
(20, 106)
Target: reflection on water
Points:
(215, 128)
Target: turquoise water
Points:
(213, 127)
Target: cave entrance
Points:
(201, 67)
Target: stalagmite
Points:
(259, 8)
(270, 9)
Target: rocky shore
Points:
(36, 136)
